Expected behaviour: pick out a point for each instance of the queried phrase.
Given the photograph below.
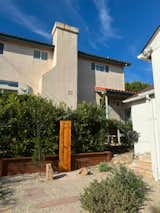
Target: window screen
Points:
(44, 55)
(107, 68)
(36, 54)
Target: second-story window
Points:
(99, 67)
(44, 55)
(37, 54)
(40, 55)
(1, 48)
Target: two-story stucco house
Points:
(60, 72)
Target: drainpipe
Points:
(156, 77)
(154, 156)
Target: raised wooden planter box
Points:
(21, 165)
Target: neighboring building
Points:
(143, 115)
(60, 72)
(146, 107)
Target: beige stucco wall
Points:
(113, 79)
(17, 64)
(89, 79)
(61, 81)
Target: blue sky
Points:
(114, 28)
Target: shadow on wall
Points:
(86, 82)
(116, 109)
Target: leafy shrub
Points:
(30, 125)
(120, 192)
(104, 167)
(23, 119)
(88, 128)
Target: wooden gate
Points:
(65, 146)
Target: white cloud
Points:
(73, 7)
(15, 14)
(106, 20)
(104, 31)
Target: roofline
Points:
(51, 46)
(102, 59)
(114, 91)
(140, 95)
(151, 38)
(25, 40)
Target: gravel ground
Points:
(33, 194)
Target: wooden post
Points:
(65, 146)
(49, 172)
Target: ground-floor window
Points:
(8, 87)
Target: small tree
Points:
(136, 86)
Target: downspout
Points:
(154, 147)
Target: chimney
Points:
(65, 63)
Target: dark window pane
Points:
(36, 54)
(1, 48)
(100, 67)
(107, 68)
(93, 66)
(9, 83)
(44, 55)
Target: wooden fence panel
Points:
(65, 146)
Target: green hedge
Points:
(25, 120)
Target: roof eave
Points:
(139, 96)
(150, 39)
(143, 57)
(103, 59)
(25, 40)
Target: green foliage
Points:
(136, 86)
(104, 167)
(124, 127)
(25, 118)
(29, 125)
(38, 155)
(121, 192)
(88, 128)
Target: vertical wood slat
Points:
(65, 146)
